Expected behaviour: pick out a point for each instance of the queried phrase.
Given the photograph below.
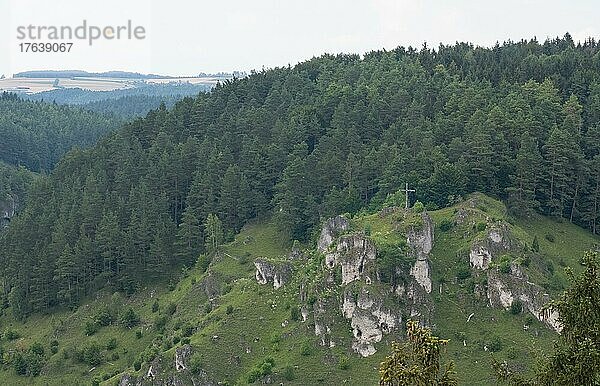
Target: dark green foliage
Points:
(288, 373)
(36, 135)
(155, 306)
(171, 308)
(111, 344)
(331, 135)
(195, 363)
(261, 370)
(549, 237)
(129, 318)
(11, 334)
(90, 354)
(516, 307)
(306, 348)
(91, 328)
(137, 365)
(229, 309)
(446, 225)
(188, 330)
(535, 244)
(295, 314)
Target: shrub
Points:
(295, 313)
(418, 207)
(176, 339)
(137, 365)
(495, 344)
(37, 349)
(104, 318)
(91, 328)
(288, 373)
(229, 310)
(171, 308)
(130, 318)
(208, 308)
(90, 354)
(261, 370)
(446, 225)
(111, 344)
(481, 226)
(549, 237)
(516, 307)
(463, 272)
(203, 263)
(11, 334)
(535, 245)
(155, 306)
(187, 330)
(305, 349)
(138, 334)
(160, 322)
(195, 363)
(344, 362)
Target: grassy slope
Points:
(259, 324)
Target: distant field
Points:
(36, 85)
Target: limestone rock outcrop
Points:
(332, 229)
(354, 253)
(277, 273)
(505, 288)
(370, 320)
(498, 241)
(421, 242)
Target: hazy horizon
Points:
(186, 39)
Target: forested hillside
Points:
(132, 106)
(335, 134)
(36, 135)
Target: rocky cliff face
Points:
(162, 372)
(332, 228)
(373, 308)
(505, 288)
(420, 242)
(356, 255)
(497, 242)
(277, 273)
(8, 209)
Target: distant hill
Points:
(78, 96)
(79, 73)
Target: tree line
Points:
(518, 121)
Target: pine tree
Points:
(214, 233)
(524, 183)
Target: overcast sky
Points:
(185, 37)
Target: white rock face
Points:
(420, 271)
(181, 355)
(353, 252)
(495, 236)
(421, 242)
(267, 272)
(331, 230)
(366, 333)
(480, 258)
(502, 293)
(369, 321)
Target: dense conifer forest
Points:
(35, 135)
(335, 134)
